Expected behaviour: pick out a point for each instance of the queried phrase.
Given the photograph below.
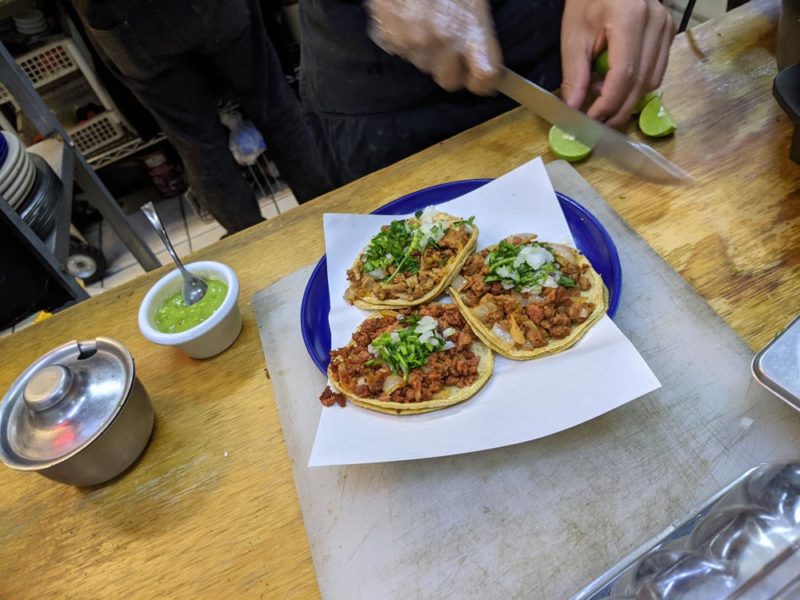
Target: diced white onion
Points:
(391, 383)
(482, 310)
(520, 299)
(448, 332)
(458, 282)
(566, 253)
(507, 273)
(432, 231)
(448, 345)
(535, 256)
(534, 289)
(550, 282)
(395, 337)
(426, 323)
(426, 337)
(372, 350)
(502, 335)
(377, 273)
(508, 285)
(428, 215)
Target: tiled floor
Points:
(186, 229)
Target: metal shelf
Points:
(46, 64)
(123, 149)
(60, 151)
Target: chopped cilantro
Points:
(407, 348)
(388, 247)
(517, 266)
(399, 246)
(566, 281)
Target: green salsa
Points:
(174, 316)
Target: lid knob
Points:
(47, 387)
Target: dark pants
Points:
(371, 109)
(170, 54)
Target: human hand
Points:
(452, 40)
(638, 35)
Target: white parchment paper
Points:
(522, 401)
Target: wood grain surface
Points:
(210, 510)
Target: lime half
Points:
(565, 146)
(655, 120)
(601, 62)
(645, 99)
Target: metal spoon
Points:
(194, 287)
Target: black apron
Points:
(372, 109)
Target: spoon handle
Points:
(150, 212)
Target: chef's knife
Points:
(635, 157)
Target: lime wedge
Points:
(645, 99)
(655, 121)
(601, 62)
(566, 147)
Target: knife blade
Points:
(635, 157)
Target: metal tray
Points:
(744, 543)
(777, 366)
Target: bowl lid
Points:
(63, 401)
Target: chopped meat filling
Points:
(531, 320)
(457, 366)
(329, 397)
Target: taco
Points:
(409, 361)
(410, 261)
(527, 299)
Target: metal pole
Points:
(57, 270)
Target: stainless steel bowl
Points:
(78, 414)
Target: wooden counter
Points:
(210, 510)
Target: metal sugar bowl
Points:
(78, 414)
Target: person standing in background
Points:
(170, 54)
(383, 79)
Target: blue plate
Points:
(591, 238)
(3, 149)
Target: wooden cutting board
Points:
(541, 519)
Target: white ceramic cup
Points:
(210, 337)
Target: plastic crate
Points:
(46, 64)
(98, 132)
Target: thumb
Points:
(483, 65)
(576, 73)
(481, 50)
